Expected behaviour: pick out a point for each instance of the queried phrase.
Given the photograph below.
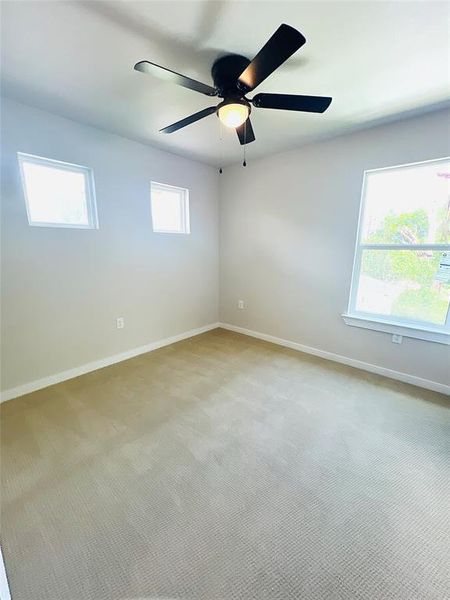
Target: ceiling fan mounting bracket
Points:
(225, 72)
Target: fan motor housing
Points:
(225, 72)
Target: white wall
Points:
(288, 229)
(62, 289)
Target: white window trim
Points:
(185, 217)
(91, 203)
(412, 331)
(406, 327)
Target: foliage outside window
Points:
(401, 271)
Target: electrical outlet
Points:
(397, 338)
(120, 322)
(241, 304)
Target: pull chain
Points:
(244, 164)
(221, 145)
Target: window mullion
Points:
(435, 247)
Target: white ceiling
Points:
(378, 60)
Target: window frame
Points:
(422, 330)
(185, 216)
(91, 204)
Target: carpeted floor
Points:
(227, 468)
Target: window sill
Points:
(417, 332)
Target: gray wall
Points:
(288, 230)
(62, 289)
(288, 227)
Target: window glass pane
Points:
(407, 205)
(169, 209)
(55, 195)
(403, 283)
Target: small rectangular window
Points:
(170, 208)
(401, 274)
(58, 194)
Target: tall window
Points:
(58, 194)
(401, 274)
(170, 208)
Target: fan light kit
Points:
(234, 76)
(233, 113)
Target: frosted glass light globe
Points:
(233, 114)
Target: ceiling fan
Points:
(235, 76)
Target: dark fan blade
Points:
(285, 41)
(316, 104)
(188, 120)
(147, 67)
(245, 132)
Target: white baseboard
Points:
(38, 384)
(351, 362)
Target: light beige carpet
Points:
(227, 468)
